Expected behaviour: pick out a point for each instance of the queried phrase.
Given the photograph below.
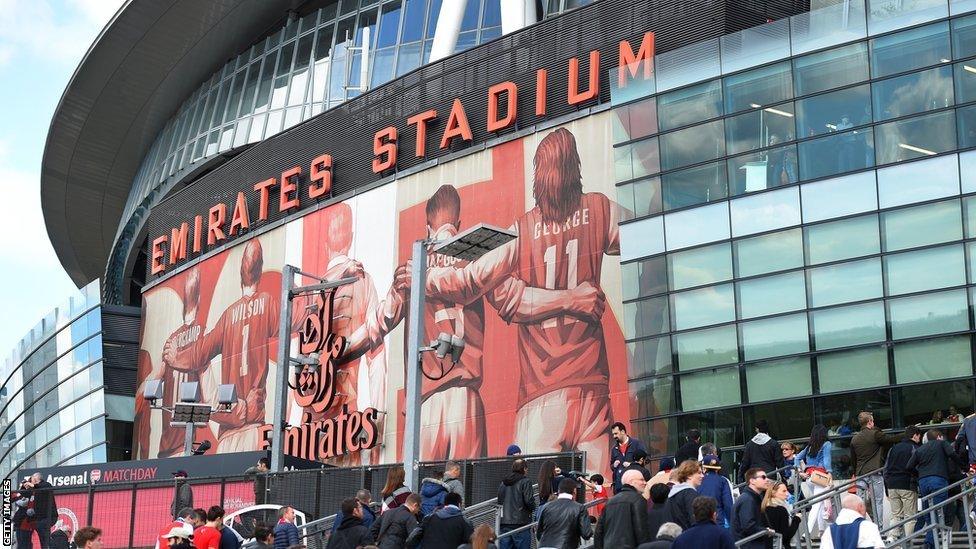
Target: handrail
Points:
(304, 530)
(767, 533)
(924, 511)
(533, 524)
(834, 438)
(967, 478)
(837, 488)
(773, 472)
(936, 517)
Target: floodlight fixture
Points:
(188, 413)
(190, 391)
(226, 395)
(474, 242)
(153, 391)
(202, 448)
(457, 347)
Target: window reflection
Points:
(844, 239)
(710, 389)
(831, 69)
(649, 357)
(771, 337)
(927, 269)
(760, 128)
(690, 105)
(640, 198)
(848, 326)
(704, 348)
(843, 152)
(933, 359)
(759, 87)
(913, 93)
(692, 145)
(847, 370)
(846, 282)
(834, 112)
(760, 379)
(911, 49)
(700, 266)
(929, 314)
(652, 397)
(772, 294)
(764, 170)
(702, 307)
(922, 225)
(695, 186)
(768, 253)
(916, 137)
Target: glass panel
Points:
(916, 400)
(646, 318)
(760, 128)
(636, 159)
(903, 184)
(766, 211)
(768, 253)
(764, 170)
(779, 379)
(758, 87)
(710, 389)
(413, 20)
(965, 78)
(913, 93)
(847, 326)
(916, 137)
(854, 281)
(856, 369)
(922, 225)
(641, 198)
(831, 69)
(933, 359)
(824, 27)
(834, 111)
(700, 266)
(695, 186)
(704, 348)
(836, 154)
(660, 435)
(969, 205)
(755, 46)
(712, 305)
(642, 238)
(929, 314)
(772, 294)
(782, 335)
(911, 49)
(634, 121)
(690, 105)
(649, 357)
(696, 226)
(966, 126)
(842, 239)
(383, 66)
(838, 197)
(886, 16)
(692, 145)
(692, 63)
(925, 270)
(646, 277)
(963, 37)
(652, 397)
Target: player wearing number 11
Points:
(563, 395)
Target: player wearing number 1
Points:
(242, 336)
(564, 390)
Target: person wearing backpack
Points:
(446, 528)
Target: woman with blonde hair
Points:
(482, 538)
(394, 492)
(776, 514)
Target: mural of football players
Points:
(242, 337)
(564, 390)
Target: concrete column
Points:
(448, 27)
(517, 14)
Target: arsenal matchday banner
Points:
(544, 364)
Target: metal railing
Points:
(834, 495)
(531, 526)
(777, 538)
(936, 517)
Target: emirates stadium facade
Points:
(725, 211)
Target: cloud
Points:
(48, 31)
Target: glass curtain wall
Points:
(797, 242)
(52, 406)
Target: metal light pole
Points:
(288, 292)
(415, 327)
(468, 245)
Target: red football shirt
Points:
(206, 537)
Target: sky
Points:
(41, 44)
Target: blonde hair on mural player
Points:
(252, 263)
(558, 183)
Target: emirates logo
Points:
(315, 385)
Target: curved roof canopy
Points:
(146, 61)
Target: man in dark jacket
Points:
(624, 521)
(705, 533)
(564, 521)
(623, 453)
(688, 477)
(866, 448)
(761, 452)
(393, 527)
(745, 513)
(666, 534)
(689, 450)
(352, 533)
(931, 465)
(517, 500)
(285, 532)
(658, 515)
(966, 439)
(446, 528)
(640, 464)
(45, 511)
(900, 481)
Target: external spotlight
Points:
(153, 391)
(457, 347)
(202, 448)
(190, 391)
(447, 344)
(226, 396)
